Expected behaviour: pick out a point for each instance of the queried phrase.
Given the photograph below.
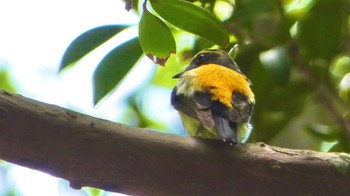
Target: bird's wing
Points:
(227, 120)
(197, 106)
(242, 108)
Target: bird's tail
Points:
(225, 130)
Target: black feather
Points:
(198, 106)
(243, 108)
(226, 130)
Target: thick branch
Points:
(92, 152)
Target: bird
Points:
(213, 98)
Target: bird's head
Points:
(211, 56)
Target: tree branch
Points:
(93, 152)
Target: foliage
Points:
(5, 80)
(107, 75)
(295, 52)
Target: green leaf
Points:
(320, 31)
(325, 133)
(248, 12)
(114, 66)
(193, 19)
(6, 82)
(87, 42)
(93, 191)
(277, 63)
(156, 39)
(262, 21)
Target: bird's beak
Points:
(178, 75)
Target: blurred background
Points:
(295, 52)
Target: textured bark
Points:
(93, 152)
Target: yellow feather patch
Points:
(218, 80)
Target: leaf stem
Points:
(144, 6)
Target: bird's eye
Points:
(200, 58)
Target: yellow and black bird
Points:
(213, 98)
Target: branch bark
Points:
(93, 152)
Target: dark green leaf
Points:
(249, 12)
(276, 62)
(87, 42)
(156, 39)
(192, 18)
(114, 67)
(201, 44)
(341, 146)
(320, 30)
(262, 21)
